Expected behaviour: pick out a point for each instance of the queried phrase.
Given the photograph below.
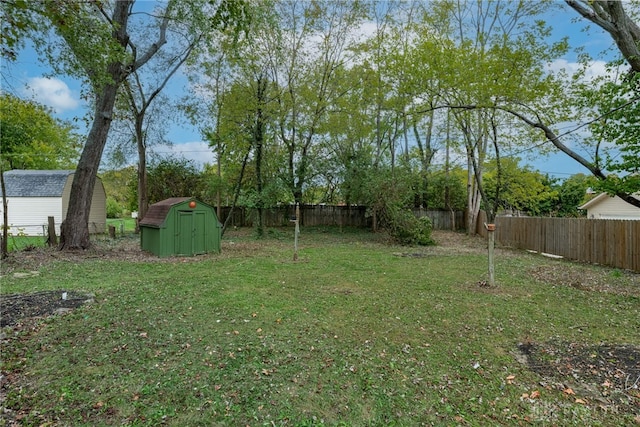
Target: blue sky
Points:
(27, 78)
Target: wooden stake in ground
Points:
(296, 232)
(491, 228)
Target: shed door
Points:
(191, 233)
(199, 233)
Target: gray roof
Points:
(35, 183)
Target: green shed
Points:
(180, 226)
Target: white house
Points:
(35, 195)
(604, 206)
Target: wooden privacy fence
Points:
(331, 215)
(615, 243)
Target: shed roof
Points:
(35, 183)
(157, 212)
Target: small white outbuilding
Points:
(604, 206)
(35, 195)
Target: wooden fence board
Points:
(615, 243)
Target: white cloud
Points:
(594, 69)
(52, 92)
(197, 151)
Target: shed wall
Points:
(98, 213)
(184, 231)
(27, 215)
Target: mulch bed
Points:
(607, 376)
(14, 308)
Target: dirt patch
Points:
(14, 308)
(591, 279)
(606, 376)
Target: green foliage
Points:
(390, 197)
(439, 187)
(573, 193)
(175, 177)
(521, 189)
(406, 228)
(114, 209)
(17, 21)
(118, 184)
(31, 138)
(618, 103)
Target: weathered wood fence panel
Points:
(330, 215)
(615, 243)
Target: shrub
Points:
(114, 210)
(406, 228)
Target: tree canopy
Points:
(32, 138)
(354, 101)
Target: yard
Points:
(358, 331)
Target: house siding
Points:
(613, 208)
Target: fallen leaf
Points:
(569, 391)
(510, 379)
(535, 394)
(580, 401)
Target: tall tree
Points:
(97, 46)
(312, 46)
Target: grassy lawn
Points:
(21, 243)
(357, 332)
(122, 224)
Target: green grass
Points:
(21, 243)
(125, 224)
(351, 334)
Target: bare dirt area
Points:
(604, 376)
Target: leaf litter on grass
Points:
(563, 366)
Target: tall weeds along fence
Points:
(614, 243)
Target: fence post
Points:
(52, 239)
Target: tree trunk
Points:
(258, 136)
(4, 246)
(143, 197)
(74, 232)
